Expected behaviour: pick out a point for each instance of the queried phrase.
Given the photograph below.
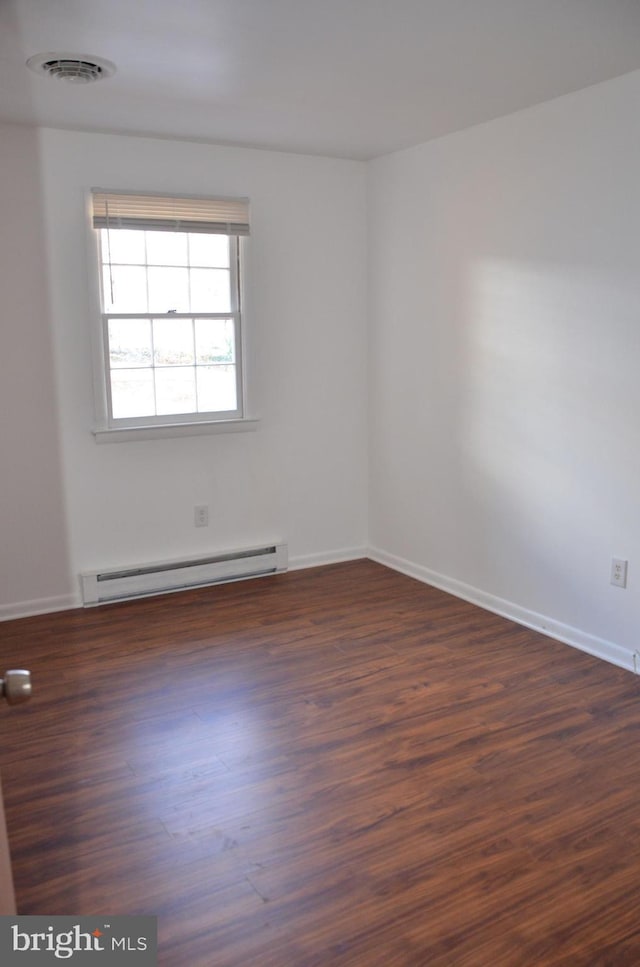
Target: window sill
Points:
(165, 430)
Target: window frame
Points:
(113, 429)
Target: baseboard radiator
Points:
(120, 584)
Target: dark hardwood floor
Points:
(338, 766)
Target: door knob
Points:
(16, 686)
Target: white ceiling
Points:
(350, 78)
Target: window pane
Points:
(132, 393)
(216, 388)
(173, 342)
(215, 341)
(129, 342)
(176, 390)
(209, 250)
(122, 245)
(210, 290)
(168, 290)
(125, 289)
(166, 248)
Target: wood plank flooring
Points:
(338, 766)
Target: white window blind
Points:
(164, 213)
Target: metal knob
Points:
(16, 686)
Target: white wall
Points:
(504, 349)
(505, 363)
(33, 550)
(301, 476)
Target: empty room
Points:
(320, 482)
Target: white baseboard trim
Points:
(327, 557)
(598, 647)
(27, 609)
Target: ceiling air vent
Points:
(74, 68)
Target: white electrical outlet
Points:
(201, 516)
(619, 572)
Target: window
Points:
(171, 339)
